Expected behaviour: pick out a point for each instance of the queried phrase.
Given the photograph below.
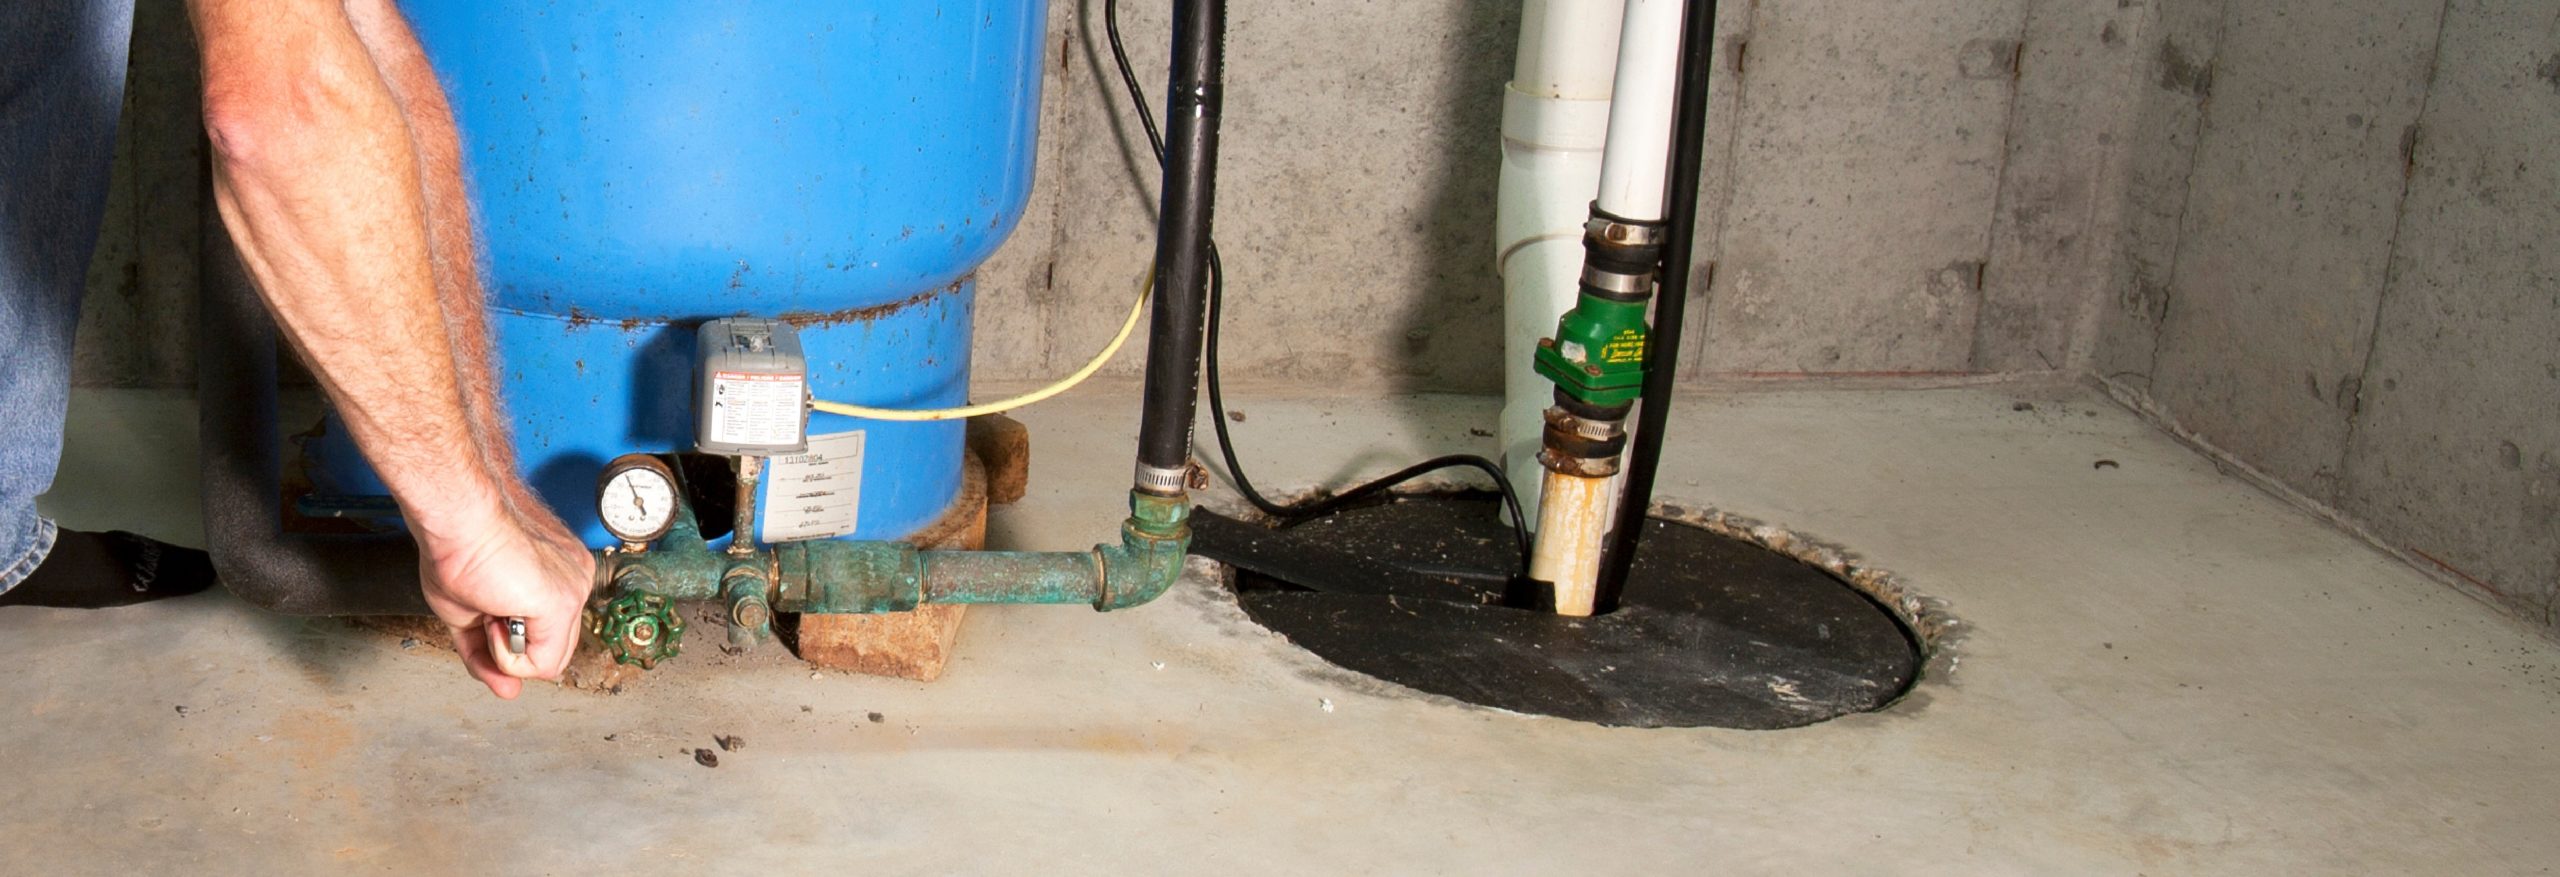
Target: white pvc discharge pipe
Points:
(1555, 118)
(1638, 156)
(1574, 511)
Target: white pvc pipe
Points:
(1638, 156)
(1573, 513)
(1572, 526)
(1555, 119)
(1567, 49)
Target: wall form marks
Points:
(2176, 47)
(2456, 450)
(2063, 178)
(1865, 170)
(2360, 298)
(2293, 203)
(1355, 188)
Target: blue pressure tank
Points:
(639, 167)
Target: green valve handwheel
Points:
(638, 627)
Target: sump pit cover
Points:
(1711, 632)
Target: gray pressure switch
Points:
(751, 388)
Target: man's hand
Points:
(521, 565)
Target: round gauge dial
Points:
(637, 498)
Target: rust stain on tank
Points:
(581, 318)
(806, 319)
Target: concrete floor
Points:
(2164, 671)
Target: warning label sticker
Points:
(755, 409)
(814, 495)
(1627, 347)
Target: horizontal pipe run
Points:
(836, 577)
(1012, 577)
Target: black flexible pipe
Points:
(1182, 244)
(1210, 384)
(1670, 301)
(290, 573)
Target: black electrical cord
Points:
(1287, 514)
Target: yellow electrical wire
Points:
(1135, 310)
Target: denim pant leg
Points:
(62, 66)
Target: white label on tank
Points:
(754, 409)
(814, 495)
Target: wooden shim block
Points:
(908, 645)
(1003, 445)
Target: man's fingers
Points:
(473, 643)
(494, 631)
(551, 641)
(548, 643)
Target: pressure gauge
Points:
(637, 498)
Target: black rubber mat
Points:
(1711, 632)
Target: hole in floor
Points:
(1713, 631)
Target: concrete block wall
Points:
(2361, 298)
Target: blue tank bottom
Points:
(583, 391)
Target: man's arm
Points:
(451, 246)
(318, 179)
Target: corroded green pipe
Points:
(681, 567)
(1011, 576)
(831, 577)
(866, 577)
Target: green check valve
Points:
(1597, 355)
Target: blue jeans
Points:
(62, 68)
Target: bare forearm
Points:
(315, 176)
(452, 249)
